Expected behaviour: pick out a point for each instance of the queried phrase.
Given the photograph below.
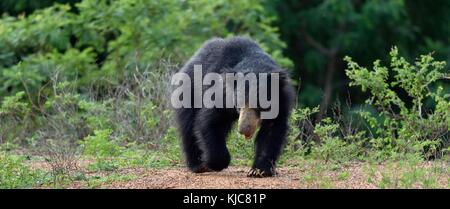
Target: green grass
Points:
(14, 173)
(400, 171)
(97, 181)
(407, 174)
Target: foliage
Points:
(14, 116)
(99, 65)
(400, 128)
(333, 144)
(90, 79)
(410, 173)
(100, 145)
(316, 30)
(15, 174)
(15, 7)
(104, 40)
(333, 147)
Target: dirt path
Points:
(235, 178)
(355, 175)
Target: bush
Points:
(333, 147)
(402, 127)
(15, 174)
(100, 144)
(105, 40)
(14, 118)
(411, 116)
(108, 65)
(327, 141)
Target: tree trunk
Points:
(328, 85)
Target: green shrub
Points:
(14, 173)
(105, 66)
(333, 147)
(100, 144)
(14, 118)
(408, 173)
(170, 152)
(325, 141)
(105, 40)
(403, 128)
(12, 106)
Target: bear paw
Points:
(259, 173)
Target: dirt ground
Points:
(231, 178)
(235, 178)
(350, 176)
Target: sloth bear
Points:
(204, 129)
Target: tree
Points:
(320, 32)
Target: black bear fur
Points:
(204, 130)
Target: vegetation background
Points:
(84, 85)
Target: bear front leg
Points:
(212, 128)
(269, 144)
(192, 152)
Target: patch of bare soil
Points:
(355, 175)
(235, 178)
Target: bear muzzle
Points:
(248, 122)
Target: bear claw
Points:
(258, 173)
